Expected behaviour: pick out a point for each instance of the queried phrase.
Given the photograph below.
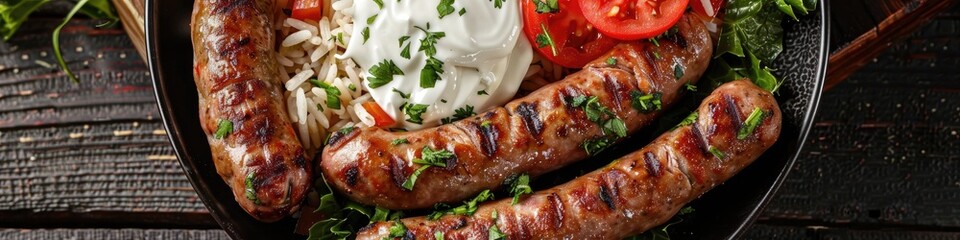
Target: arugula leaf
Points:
(397, 230)
(596, 145)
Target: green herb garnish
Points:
(520, 186)
(716, 153)
(415, 112)
(333, 93)
(544, 39)
(546, 6)
(751, 123)
(224, 129)
(250, 191)
(398, 230)
(402, 94)
(430, 73)
(645, 103)
(445, 8)
(399, 141)
(382, 73)
(467, 209)
(459, 113)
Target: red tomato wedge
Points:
(380, 118)
(633, 19)
(574, 42)
(707, 7)
(306, 9)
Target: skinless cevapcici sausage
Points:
(531, 135)
(254, 147)
(732, 128)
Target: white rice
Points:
(307, 51)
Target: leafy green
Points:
(343, 218)
(333, 93)
(445, 8)
(646, 103)
(438, 158)
(249, 190)
(544, 39)
(382, 73)
(458, 114)
(397, 230)
(412, 179)
(430, 73)
(520, 186)
(467, 209)
(546, 6)
(415, 112)
(224, 129)
(399, 141)
(751, 123)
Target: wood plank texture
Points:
(145, 234)
(95, 147)
(883, 161)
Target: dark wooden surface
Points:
(91, 161)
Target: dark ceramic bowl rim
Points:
(205, 193)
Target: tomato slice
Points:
(633, 19)
(575, 43)
(306, 9)
(707, 7)
(380, 118)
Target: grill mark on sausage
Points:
(678, 39)
(398, 171)
(488, 138)
(652, 164)
(605, 196)
(340, 135)
(733, 110)
(612, 88)
(556, 204)
(233, 47)
(699, 140)
(655, 74)
(351, 173)
(528, 113)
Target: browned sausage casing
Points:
(237, 81)
(534, 134)
(634, 193)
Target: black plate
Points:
(723, 213)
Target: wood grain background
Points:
(91, 160)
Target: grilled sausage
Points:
(238, 85)
(534, 134)
(634, 193)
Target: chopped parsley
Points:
(403, 40)
(751, 123)
(445, 8)
(405, 52)
(408, 184)
(495, 233)
(546, 6)
(485, 123)
(398, 230)
(429, 42)
(520, 186)
(677, 71)
(379, 3)
(438, 235)
(224, 129)
(249, 189)
(645, 103)
(459, 113)
(691, 87)
(544, 39)
(371, 19)
(399, 141)
(467, 209)
(690, 119)
(716, 153)
(615, 126)
(402, 94)
(428, 158)
(482, 92)
(333, 93)
(463, 11)
(432, 157)
(430, 73)
(497, 3)
(382, 73)
(596, 145)
(352, 87)
(611, 61)
(365, 33)
(415, 112)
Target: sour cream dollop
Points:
(483, 51)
